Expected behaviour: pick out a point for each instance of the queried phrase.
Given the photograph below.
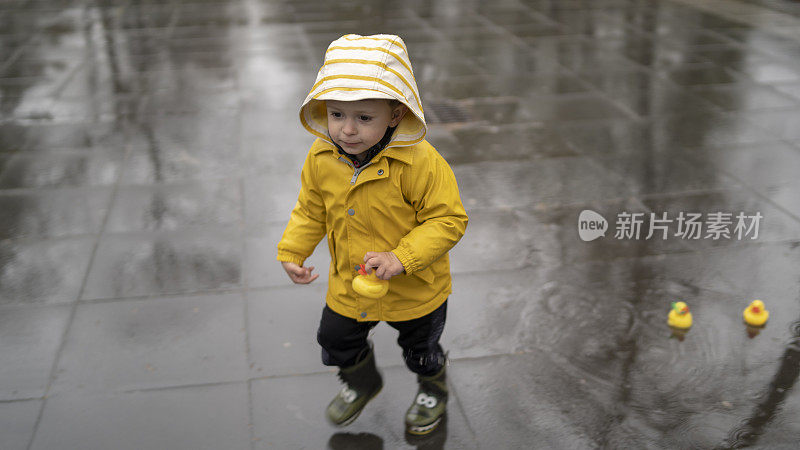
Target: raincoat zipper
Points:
(356, 171)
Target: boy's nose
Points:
(349, 127)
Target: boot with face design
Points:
(362, 383)
(429, 405)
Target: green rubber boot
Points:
(429, 405)
(362, 383)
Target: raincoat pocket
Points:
(425, 275)
(332, 250)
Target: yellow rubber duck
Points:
(679, 316)
(369, 285)
(755, 314)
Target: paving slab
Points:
(31, 340)
(176, 207)
(181, 149)
(53, 213)
(70, 135)
(61, 168)
(267, 198)
(762, 270)
(737, 97)
(158, 342)
(509, 408)
(17, 421)
(139, 264)
(668, 173)
(44, 272)
(523, 84)
(550, 182)
(199, 417)
(645, 93)
(778, 122)
(774, 225)
(791, 89)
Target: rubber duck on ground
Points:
(679, 316)
(368, 284)
(755, 315)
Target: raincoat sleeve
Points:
(432, 190)
(307, 221)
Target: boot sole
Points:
(423, 430)
(352, 418)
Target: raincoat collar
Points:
(399, 153)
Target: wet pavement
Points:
(149, 157)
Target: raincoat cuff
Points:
(284, 256)
(406, 260)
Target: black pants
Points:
(343, 339)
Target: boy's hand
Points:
(386, 264)
(299, 274)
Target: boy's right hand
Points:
(299, 274)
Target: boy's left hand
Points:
(385, 264)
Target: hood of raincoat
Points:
(366, 67)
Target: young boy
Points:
(385, 198)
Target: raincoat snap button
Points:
(380, 171)
(363, 315)
(351, 211)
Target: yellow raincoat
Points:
(405, 200)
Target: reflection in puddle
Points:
(749, 430)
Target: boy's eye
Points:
(336, 114)
(365, 118)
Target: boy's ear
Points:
(398, 112)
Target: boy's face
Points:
(356, 126)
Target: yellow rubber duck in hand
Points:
(679, 316)
(368, 284)
(755, 314)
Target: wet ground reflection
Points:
(149, 153)
(748, 432)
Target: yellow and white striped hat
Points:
(363, 67)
